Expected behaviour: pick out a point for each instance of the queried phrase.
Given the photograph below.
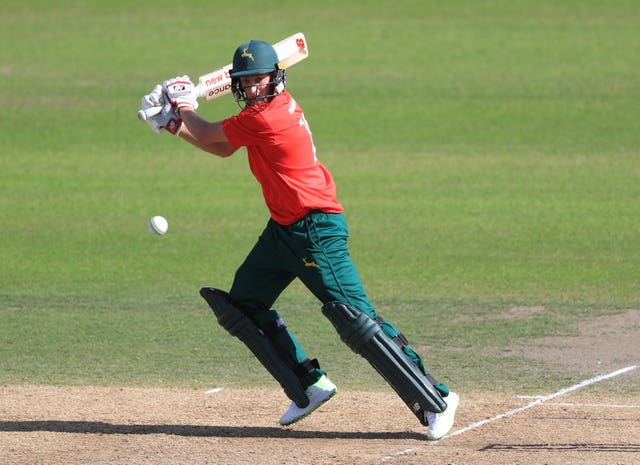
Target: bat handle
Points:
(144, 115)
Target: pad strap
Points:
(402, 342)
(400, 339)
(303, 369)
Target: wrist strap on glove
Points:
(174, 126)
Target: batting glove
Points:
(153, 99)
(167, 120)
(181, 92)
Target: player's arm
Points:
(205, 135)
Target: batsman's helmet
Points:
(256, 57)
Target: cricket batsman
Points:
(304, 238)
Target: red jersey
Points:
(282, 158)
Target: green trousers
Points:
(313, 250)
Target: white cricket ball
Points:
(158, 225)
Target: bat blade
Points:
(292, 50)
(214, 84)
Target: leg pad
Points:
(238, 324)
(365, 337)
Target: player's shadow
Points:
(98, 427)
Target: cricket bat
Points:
(290, 51)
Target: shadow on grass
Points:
(98, 427)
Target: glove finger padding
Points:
(181, 92)
(154, 99)
(152, 103)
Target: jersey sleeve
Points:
(246, 129)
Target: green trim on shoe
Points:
(318, 394)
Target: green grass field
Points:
(486, 153)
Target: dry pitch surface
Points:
(87, 425)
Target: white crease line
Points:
(538, 401)
(576, 404)
(561, 392)
(214, 390)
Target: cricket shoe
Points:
(441, 423)
(318, 394)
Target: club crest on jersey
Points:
(246, 54)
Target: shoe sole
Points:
(309, 412)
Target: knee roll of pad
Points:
(238, 324)
(365, 337)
